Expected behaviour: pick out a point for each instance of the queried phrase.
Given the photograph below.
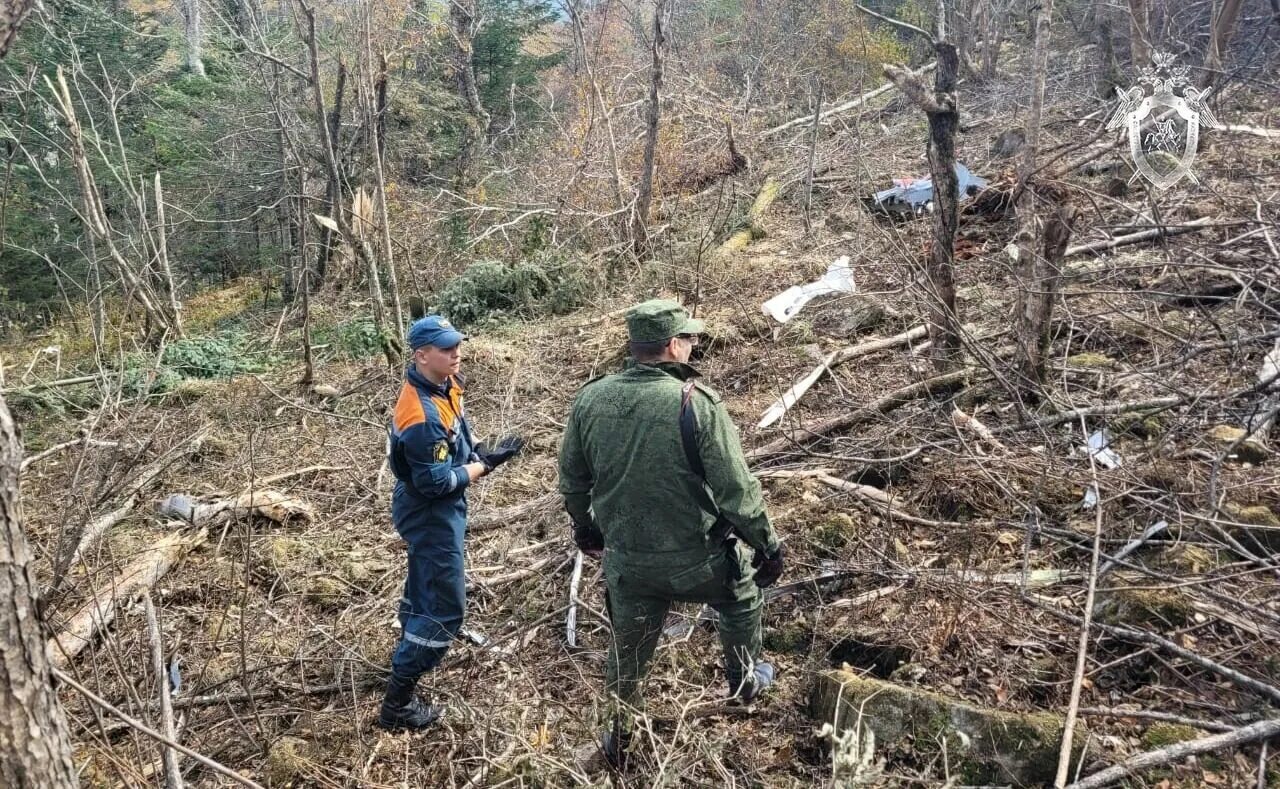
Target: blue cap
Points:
(434, 330)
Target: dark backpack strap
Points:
(689, 440)
(689, 431)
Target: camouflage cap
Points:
(660, 319)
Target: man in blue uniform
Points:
(434, 458)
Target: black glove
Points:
(588, 539)
(506, 449)
(768, 567)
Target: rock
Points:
(1091, 360)
(1008, 143)
(846, 316)
(1248, 451)
(1262, 524)
(983, 745)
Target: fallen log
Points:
(846, 106)
(505, 516)
(266, 503)
(1262, 730)
(1140, 236)
(834, 359)
(95, 529)
(739, 240)
(884, 405)
(98, 613)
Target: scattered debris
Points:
(1099, 447)
(838, 279)
(914, 196)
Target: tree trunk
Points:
(35, 744)
(1139, 42)
(379, 160)
(194, 29)
(1224, 25)
(1041, 243)
(330, 129)
(462, 19)
(644, 192)
(12, 14)
(944, 327)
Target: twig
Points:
(1082, 650)
(1166, 717)
(893, 400)
(571, 620)
(1140, 236)
(833, 359)
(846, 106)
(37, 457)
(217, 767)
(1147, 534)
(1262, 730)
(172, 775)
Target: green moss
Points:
(1151, 607)
(832, 536)
(793, 636)
(1158, 735)
(1091, 360)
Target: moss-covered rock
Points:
(1247, 451)
(984, 745)
(833, 535)
(288, 760)
(1260, 523)
(1091, 360)
(1157, 608)
(1159, 735)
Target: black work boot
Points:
(402, 710)
(614, 744)
(746, 690)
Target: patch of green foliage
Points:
(489, 290)
(353, 339)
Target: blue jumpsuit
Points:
(430, 442)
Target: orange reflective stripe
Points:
(408, 409)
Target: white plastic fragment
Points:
(838, 279)
(1099, 448)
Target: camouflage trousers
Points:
(640, 593)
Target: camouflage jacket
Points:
(624, 473)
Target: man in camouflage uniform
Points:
(669, 532)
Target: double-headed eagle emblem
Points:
(1162, 150)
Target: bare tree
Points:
(644, 192)
(1139, 38)
(462, 24)
(1041, 242)
(12, 14)
(35, 743)
(1224, 25)
(943, 112)
(194, 31)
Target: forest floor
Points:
(282, 629)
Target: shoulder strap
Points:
(689, 431)
(689, 440)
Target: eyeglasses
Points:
(692, 339)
